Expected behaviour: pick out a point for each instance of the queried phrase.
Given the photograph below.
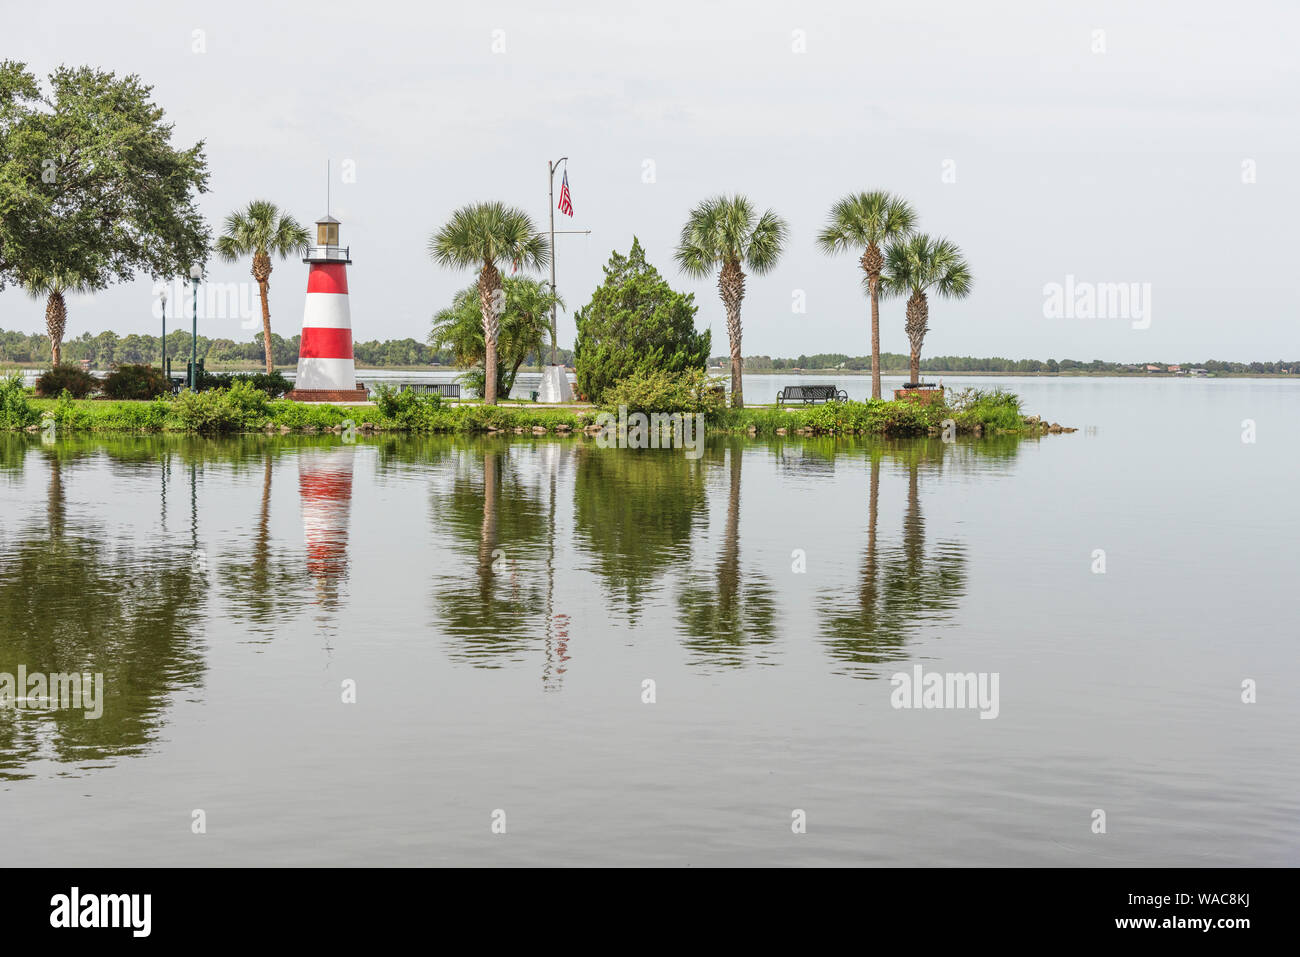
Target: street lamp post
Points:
(196, 273)
(164, 335)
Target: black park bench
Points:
(448, 390)
(811, 394)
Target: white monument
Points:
(555, 385)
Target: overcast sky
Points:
(1004, 123)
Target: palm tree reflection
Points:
(263, 587)
(727, 618)
(498, 523)
(902, 587)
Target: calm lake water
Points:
(500, 604)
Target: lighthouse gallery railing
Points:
(339, 253)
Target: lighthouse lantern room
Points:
(327, 233)
(326, 369)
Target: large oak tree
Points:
(91, 189)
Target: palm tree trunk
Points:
(873, 262)
(56, 501)
(731, 284)
(729, 564)
(867, 592)
(918, 315)
(262, 276)
(262, 541)
(266, 325)
(913, 525)
(489, 283)
(875, 339)
(56, 320)
(487, 538)
(509, 381)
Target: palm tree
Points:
(725, 232)
(868, 221)
(262, 231)
(524, 329)
(51, 285)
(917, 266)
(485, 236)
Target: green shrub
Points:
(251, 402)
(405, 407)
(204, 412)
(301, 415)
(16, 411)
(73, 416)
(72, 379)
(273, 384)
(993, 410)
(136, 382)
(481, 418)
(207, 381)
(237, 409)
(635, 323)
(687, 392)
(872, 417)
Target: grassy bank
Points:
(966, 413)
(242, 409)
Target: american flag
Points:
(566, 201)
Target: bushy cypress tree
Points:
(634, 323)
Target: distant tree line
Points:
(896, 363)
(108, 349)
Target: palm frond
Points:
(922, 264)
(726, 229)
(489, 232)
(766, 242)
(260, 228)
(524, 328)
(42, 283)
(860, 220)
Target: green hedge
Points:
(242, 408)
(971, 411)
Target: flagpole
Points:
(551, 167)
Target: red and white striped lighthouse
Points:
(326, 370)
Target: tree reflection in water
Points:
(490, 595)
(635, 513)
(901, 587)
(727, 617)
(72, 599)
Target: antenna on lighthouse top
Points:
(327, 187)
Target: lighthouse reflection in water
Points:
(325, 485)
